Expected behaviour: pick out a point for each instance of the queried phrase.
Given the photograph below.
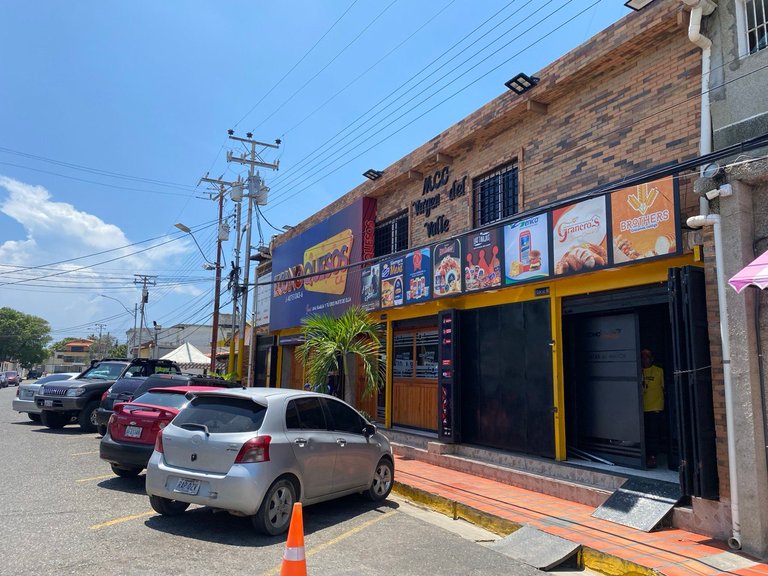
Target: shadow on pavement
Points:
(222, 528)
(130, 485)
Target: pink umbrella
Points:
(755, 273)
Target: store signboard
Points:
(313, 273)
(580, 236)
(264, 293)
(418, 276)
(392, 293)
(483, 260)
(446, 268)
(370, 280)
(643, 221)
(526, 250)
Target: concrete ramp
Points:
(640, 503)
(536, 548)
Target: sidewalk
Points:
(606, 547)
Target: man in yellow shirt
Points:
(653, 405)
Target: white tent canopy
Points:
(187, 356)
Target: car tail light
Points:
(254, 450)
(104, 396)
(159, 442)
(112, 420)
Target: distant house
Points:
(73, 357)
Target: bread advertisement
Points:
(580, 237)
(643, 222)
(526, 250)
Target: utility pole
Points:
(101, 344)
(254, 193)
(134, 352)
(144, 281)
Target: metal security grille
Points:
(757, 25)
(496, 195)
(391, 235)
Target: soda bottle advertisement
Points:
(580, 237)
(392, 283)
(482, 260)
(526, 250)
(418, 273)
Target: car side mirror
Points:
(369, 430)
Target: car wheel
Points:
(54, 420)
(383, 478)
(274, 514)
(125, 472)
(87, 417)
(167, 507)
(101, 430)
(34, 417)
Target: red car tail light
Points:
(104, 396)
(159, 442)
(254, 450)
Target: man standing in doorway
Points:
(653, 405)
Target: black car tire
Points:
(101, 430)
(274, 514)
(383, 478)
(54, 420)
(87, 417)
(167, 507)
(125, 472)
(33, 417)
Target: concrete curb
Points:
(588, 557)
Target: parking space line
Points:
(120, 520)
(85, 453)
(320, 547)
(96, 478)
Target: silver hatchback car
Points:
(255, 451)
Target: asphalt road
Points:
(62, 511)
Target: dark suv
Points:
(61, 402)
(126, 389)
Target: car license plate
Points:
(48, 403)
(187, 486)
(133, 431)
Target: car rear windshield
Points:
(167, 399)
(126, 385)
(221, 415)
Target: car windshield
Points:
(167, 399)
(221, 415)
(105, 371)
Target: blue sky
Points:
(110, 112)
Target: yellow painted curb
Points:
(611, 565)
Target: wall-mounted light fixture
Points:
(373, 174)
(521, 83)
(637, 4)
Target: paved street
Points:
(64, 512)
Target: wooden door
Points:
(414, 379)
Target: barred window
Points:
(391, 235)
(757, 25)
(495, 195)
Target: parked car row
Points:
(9, 378)
(248, 451)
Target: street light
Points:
(207, 265)
(135, 308)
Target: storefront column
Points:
(558, 392)
(388, 384)
(279, 380)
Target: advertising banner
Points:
(418, 272)
(371, 286)
(312, 272)
(526, 250)
(483, 253)
(392, 293)
(446, 267)
(643, 221)
(580, 237)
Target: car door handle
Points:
(341, 442)
(300, 442)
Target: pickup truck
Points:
(77, 399)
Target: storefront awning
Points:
(753, 274)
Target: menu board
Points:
(392, 292)
(580, 237)
(526, 250)
(418, 282)
(482, 268)
(643, 221)
(371, 287)
(447, 268)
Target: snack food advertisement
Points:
(580, 239)
(371, 286)
(643, 223)
(392, 283)
(418, 284)
(482, 260)
(447, 268)
(526, 250)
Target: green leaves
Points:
(23, 338)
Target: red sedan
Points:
(133, 427)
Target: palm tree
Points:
(328, 339)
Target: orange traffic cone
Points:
(294, 562)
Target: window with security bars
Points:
(495, 195)
(757, 24)
(391, 235)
